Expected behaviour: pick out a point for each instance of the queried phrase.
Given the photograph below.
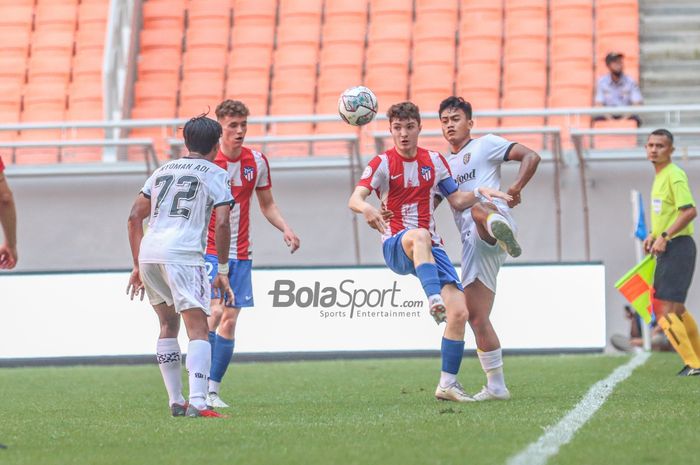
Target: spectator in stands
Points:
(634, 341)
(8, 220)
(617, 89)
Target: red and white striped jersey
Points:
(249, 172)
(407, 187)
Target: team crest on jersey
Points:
(426, 172)
(467, 157)
(248, 173)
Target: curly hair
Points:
(403, 111)
(231, 108)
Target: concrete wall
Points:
(79, 223)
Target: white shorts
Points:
(481, 260)
(185, 286)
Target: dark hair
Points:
(663, 132)
(403, 110)
(201, 134)
(456, 103)
(231, 108)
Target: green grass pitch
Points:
(347, 412)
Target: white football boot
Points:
(485, 394)
(454, 392)
(214, 401)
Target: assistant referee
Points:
(672, 214)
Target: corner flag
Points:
(637, 286)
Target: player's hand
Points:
(386, 213)
(291, 239)
(515, 193)
(374, 219)
(135, 286)
(223, 289)
(648, 243)
(491, 194)
(8, 257)
(659, 246)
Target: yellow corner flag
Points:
(637, 286)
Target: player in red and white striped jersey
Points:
(8, 220)
(406, 178)
(249, 172)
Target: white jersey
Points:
(478, 164)
(183, 193)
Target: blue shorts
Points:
(239, 276)
(397, 260)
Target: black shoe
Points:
(684, 371)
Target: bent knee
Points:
(480, 212)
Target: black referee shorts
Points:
(674, 270)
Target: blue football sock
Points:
(212, 342)
(221, 357)
(428, 275)
(452, 352)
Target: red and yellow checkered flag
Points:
(637, 286)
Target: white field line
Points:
(548, 445)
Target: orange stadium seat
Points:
(52, 42)
(15, 43)
(524, 97)
(389, 28)
(16, 17)
(13, 71)
(567, 48)
(289, 33)
(151, 93)
(290, 8)
(49, 68)
(211, 14)
(42, 103)
(334, 80)
(339, 54)
(204, 64)
(525, 48)
(93, 15)
(161, 40)
(378, 56)
(91, 40)
(344, 30)
(295, 56)
(210, 38)
(254, 12)
(56, 16)
(389, 85)
(253, 34)
(425, 29)
(479, 74)
(297, 82)
(572, 20)
(163, 15)
(524, 73)
(571, 96)
(250, 57)
(433, 77)
(249, 84)
(87, 67)
(430, 6)
(434, 52)
(290, 105)
(492, 13)
(160, 65)
(391, 6)
(615, 142)
(571, 72)
(84, 103)
(346, 9)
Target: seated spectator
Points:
(634, 341)
(617, 89)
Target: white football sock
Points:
(492, 364)
(495, 217)
(198, 365)
(447, 379)
(214, 386)
(168, 354)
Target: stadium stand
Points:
(507, 55)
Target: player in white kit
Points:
(487, 229)
(169, 259)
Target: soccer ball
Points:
(357, 105)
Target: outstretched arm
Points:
(358, 203)
(462, 200)
(269, 209)
(529, 160)
(8, 219)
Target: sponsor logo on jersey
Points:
(248, 173)
(468, 176)
(467, 157)
(426, 172)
